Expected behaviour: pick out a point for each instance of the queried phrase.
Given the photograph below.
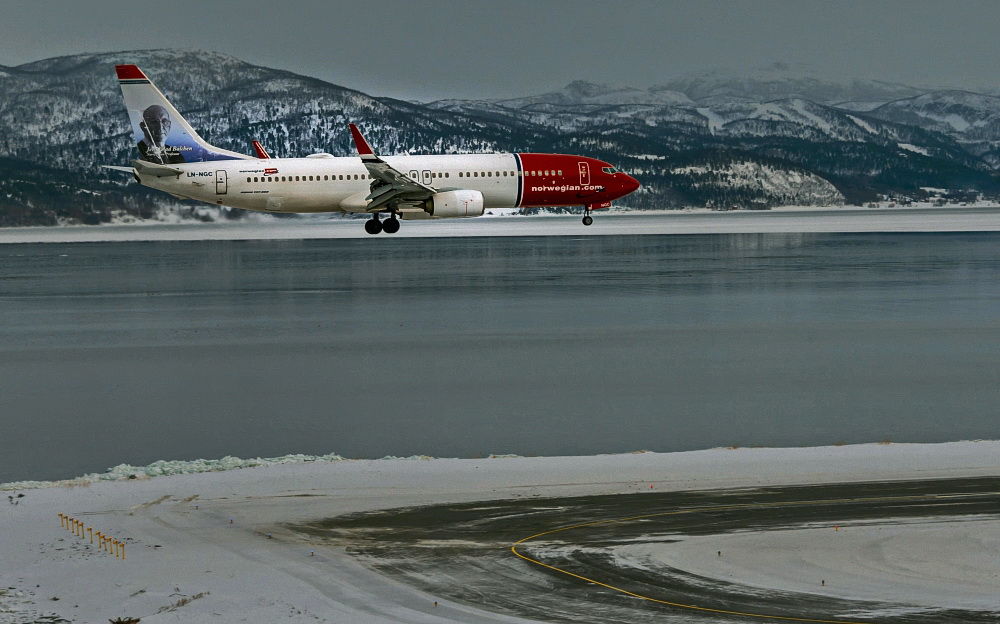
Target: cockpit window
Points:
(609, 170)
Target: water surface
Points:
(133, 352)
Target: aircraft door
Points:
(221, 182)
(584, 174)
(426, 174)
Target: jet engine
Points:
(461, 203)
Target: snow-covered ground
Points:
(211, 546)
(930, 562)
(922, 218)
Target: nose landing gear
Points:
(588, 208)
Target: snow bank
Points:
(161, 468)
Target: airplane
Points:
(175, 159)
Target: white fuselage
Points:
(323, 183)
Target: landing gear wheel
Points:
(588, 220)
(390, 225)
(373, 225)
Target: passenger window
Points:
(560, 172)
(447, 175)
(489, 173)
(475, 174)
(248, 179)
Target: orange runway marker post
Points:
(90, 531)
(61, 522)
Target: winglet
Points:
(129, 72)
(261, 152)
(359, 142)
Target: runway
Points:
(978, 218)
(627, 557)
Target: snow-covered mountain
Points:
(63, 117)
(972, 119)
(784, 81)
(583, 93)
(742, 177)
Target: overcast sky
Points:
(505, 48)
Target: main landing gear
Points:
(389, 226)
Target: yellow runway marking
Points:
(703, 509)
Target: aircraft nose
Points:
(630, 184)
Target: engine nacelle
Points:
(463, 203)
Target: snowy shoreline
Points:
(221, 536)
(790, 219)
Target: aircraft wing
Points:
(390, 187)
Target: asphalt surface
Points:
(551, 559)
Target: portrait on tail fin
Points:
(155, 127)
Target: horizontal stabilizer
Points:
(116, 168)
(157, 171)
